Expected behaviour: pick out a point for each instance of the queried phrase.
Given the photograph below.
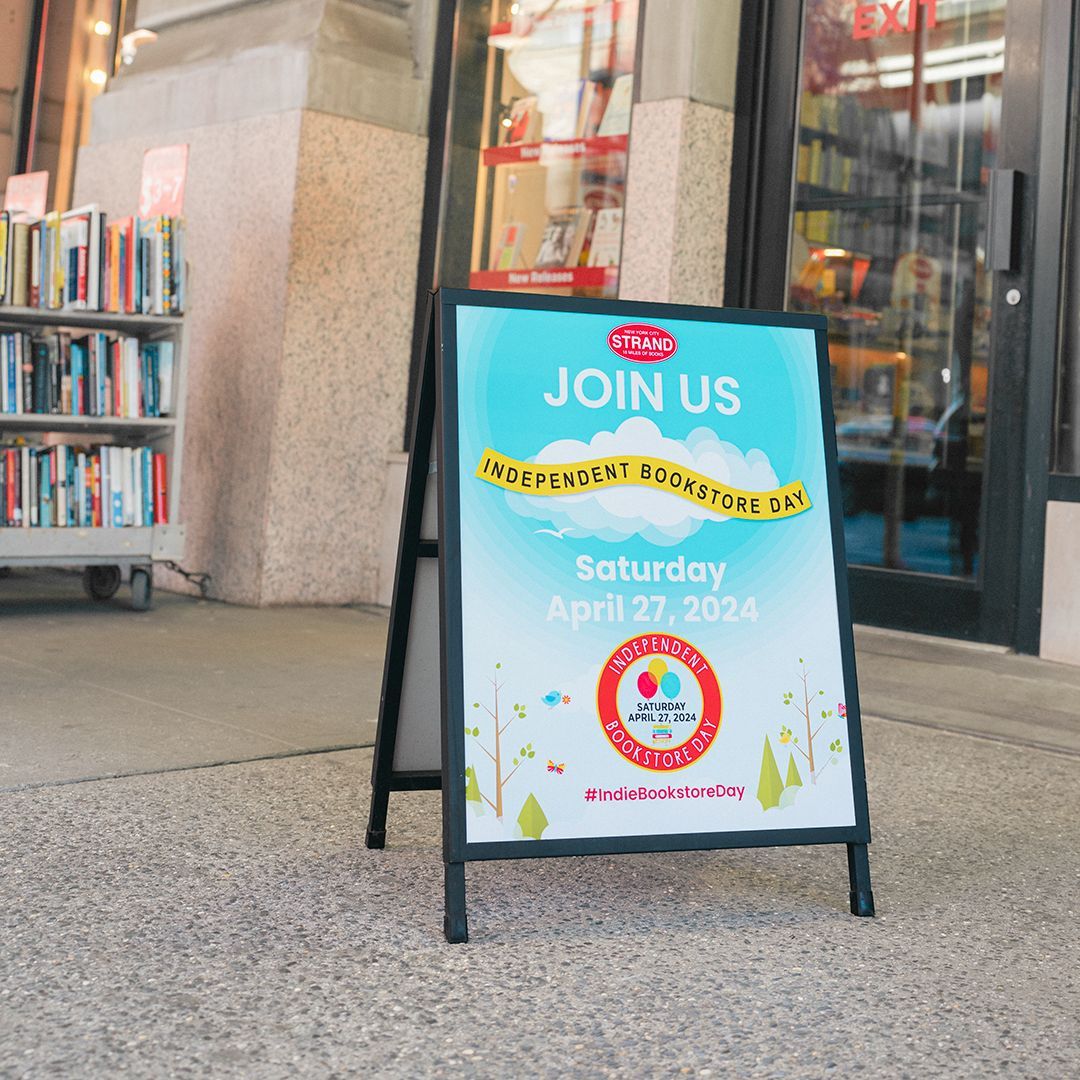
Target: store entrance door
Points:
(904, 225)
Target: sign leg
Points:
(862, 898)
(376, 830)
(455, 923)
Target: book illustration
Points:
(616, 119)
(563, 237)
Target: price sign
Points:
(164, 174)
(27, 192)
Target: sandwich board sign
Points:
(620, 619)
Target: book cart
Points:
(106, 554)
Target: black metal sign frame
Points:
(435, 423)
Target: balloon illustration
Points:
(670, 685)
(658, 676)
(646, 685)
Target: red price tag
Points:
(27, 192)
(164, 174)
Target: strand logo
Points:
(642, 343)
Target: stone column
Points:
(679, 172)
(306, 123)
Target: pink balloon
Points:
(646, 685)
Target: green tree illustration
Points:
(532, 819)
(806, 708)
(793, 777)
(498, 755)
(769, 783)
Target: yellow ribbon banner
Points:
(532, 478)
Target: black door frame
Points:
(1004, 603)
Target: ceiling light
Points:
(102, 28)
(98, 77)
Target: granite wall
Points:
(678, 178)
(306, 126)
(303, 230)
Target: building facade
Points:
(908, 170)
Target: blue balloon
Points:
(670, 685)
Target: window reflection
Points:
(899, 122)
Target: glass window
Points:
(1067, 448)
(540, 120)
(898, 131)
(75, 51)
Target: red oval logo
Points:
(642, 343)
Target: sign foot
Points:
(455, 924)
(862, 897)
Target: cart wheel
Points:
(101, 582)
(142, 585)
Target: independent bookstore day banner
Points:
(650, 630)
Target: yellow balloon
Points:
(657, 669)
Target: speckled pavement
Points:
(228, 922)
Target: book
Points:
(5, 253)
(616, 119)
(96, 373)
(606, 241)
(561, 107)
(591, 109)
(508, 253)
(79, 261)
(563, 236)
(523, 124)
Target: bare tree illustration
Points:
(806, 708)
(517, 712)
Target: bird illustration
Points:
(552, 698)
(559, 534)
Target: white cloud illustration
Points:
(616, 513)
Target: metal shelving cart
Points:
(105, 554)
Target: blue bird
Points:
(552, 698)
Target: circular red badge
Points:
(659, 702)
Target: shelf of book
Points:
(139, 493)
(76, 546)
(143, 426)
(546, 153)
(75, 319)
(578, 277)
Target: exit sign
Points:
(898, 17)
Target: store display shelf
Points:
(86, 547)
(575, 277)
(103, 425)
(86, 320)
(544, 153)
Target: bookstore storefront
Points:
(902, 168)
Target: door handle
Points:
(1003, 219)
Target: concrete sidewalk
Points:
(196, 919)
